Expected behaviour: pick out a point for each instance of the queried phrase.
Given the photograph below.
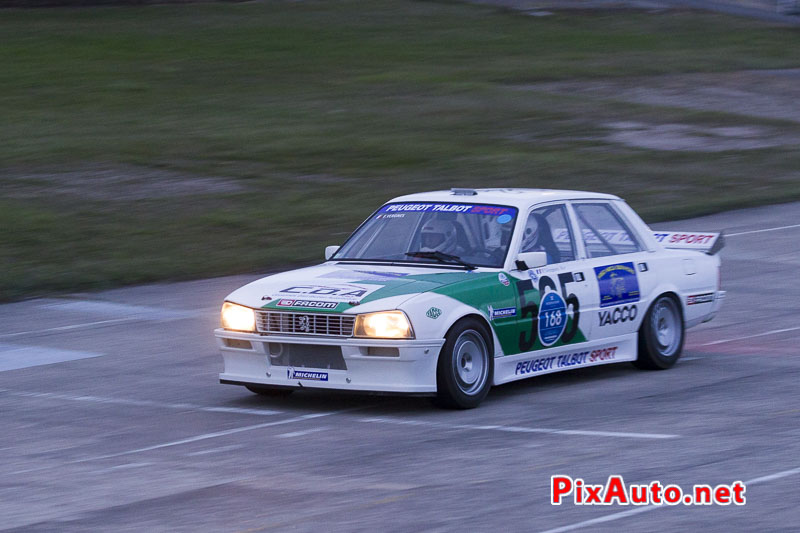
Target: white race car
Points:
(448, 293)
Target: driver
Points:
(438, 236)
(534, 238)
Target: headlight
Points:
(384, 325)
(238, 317)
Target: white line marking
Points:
(139, 403)
(624, 514)
(207, 436)
(188, 440)
(770, 477)
(300, 433)
(68, 328)
(517, 429)
(761, 230)
(126, 466)
(14, 356)
(221, 449)
(111, 309)
(772, 332)
(600, 520)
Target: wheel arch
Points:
(666, 289)
(452, 311)
(474, 313)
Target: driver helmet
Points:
(438, 235)
(530, 239)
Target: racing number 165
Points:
(527, 340)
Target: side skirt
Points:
(525, 365)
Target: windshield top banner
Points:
(491, 210)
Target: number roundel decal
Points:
(552, 318)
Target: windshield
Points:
(465, 234)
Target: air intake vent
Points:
(463, 192)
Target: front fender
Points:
(432, 315)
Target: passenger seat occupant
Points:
(438, 236)
(539, 238)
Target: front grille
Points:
(286, 323)
(306, 355)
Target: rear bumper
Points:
(719, 297)
(410, 369)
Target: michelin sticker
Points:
(618, 284)
(334, 292)
(552, 318)
(294, 373)
(503, 312)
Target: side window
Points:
(604, 232)
(547, 230)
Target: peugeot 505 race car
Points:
(448, 293)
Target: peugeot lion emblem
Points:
(303, 324)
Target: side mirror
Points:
(528, 260)
(330, 250)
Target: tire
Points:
(273, 392)
(465, 368)
(661, 335)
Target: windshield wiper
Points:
(442, 258)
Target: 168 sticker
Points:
(549, 317)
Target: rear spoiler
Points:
(710, 243)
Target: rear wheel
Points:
(661, 335)
(274, 392)
(465, 368)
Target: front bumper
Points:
(411, 367)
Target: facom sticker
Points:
(618, 284)
(307, 304)
(552, 318)
(434, 313)
(503, 279)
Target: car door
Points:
(618, 269)
(551, 298)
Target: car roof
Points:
(519, 198)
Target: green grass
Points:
(316, 112)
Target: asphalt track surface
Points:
(113, 420)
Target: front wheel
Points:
(465, 368)
(661, 335)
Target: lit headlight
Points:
(384, 325)
(238, 317)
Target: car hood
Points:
(340, 287)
